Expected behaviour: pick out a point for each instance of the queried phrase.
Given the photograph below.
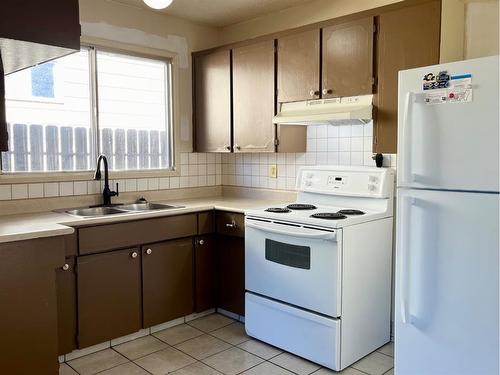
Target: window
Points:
(62, 114)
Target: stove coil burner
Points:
(329, 216)
(301, 206)
(350, 212)
(278, 210)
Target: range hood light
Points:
(158, 4)
(335, 111)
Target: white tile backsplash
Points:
(326, 145)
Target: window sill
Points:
(36, 177)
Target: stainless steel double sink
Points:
(120, 209)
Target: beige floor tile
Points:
(260, 349)
(164, 361)
(347, 371)
(197, 368)
(64, 369)
(203, 346)
(178, 334)
(375, 364)
(267, 368)
(129, 368)
(295, 364)
(234, 333)
(387, 349)
(233, 361)
(140, 347)
(96, 362)
(211, 322)
(390, 372)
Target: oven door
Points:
(292, 264)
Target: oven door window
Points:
(288, 255)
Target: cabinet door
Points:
(66, 306)
(167, 281)
(408, 38)
(348, 59)
(231, 274)
(212, 80)
(298, 67)
(4, 135)
(205, 277)
(253, 97)
(109, 296)
(28, 305)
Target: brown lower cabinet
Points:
(231, 274)
(28, 306)
(109, 296)
(66, 306)
(167, 281)
(205, 256)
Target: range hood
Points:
(353, 109)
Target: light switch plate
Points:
(273, 171)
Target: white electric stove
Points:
(318, 271)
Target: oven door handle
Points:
(304, 233)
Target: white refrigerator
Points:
(447, 235)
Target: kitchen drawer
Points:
(284, 326)
(230, 223)
(206, 222)
(120, 235)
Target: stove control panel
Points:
(348, 181)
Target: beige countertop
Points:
(48, 224)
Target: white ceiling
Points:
(220, 12)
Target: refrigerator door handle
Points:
(405, 210)
(407, 176)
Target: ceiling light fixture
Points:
(158, 4)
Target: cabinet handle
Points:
(231, 225)
(314, 93)
(149, 251)
(227, 147)
(327, 91)
(65, 267)
(237, 147)
(201, 242)
(134, 255)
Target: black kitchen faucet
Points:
(106, 193)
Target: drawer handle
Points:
(201, 242)
(134, 255)
(65, 267)
(231, 225)
(149, 251)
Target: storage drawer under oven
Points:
(297, 265)
(300, 332)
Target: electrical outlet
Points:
(273, 171)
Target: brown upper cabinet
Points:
(33, 31)
(253, 97)
(299, 66)
(408, 38)
(212, 81)
(347, 49)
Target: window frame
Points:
(171, 75)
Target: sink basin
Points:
(147, 207)
(95, 211)
(121, 209)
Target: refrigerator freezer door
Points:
(452, 146)
(447, 278)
